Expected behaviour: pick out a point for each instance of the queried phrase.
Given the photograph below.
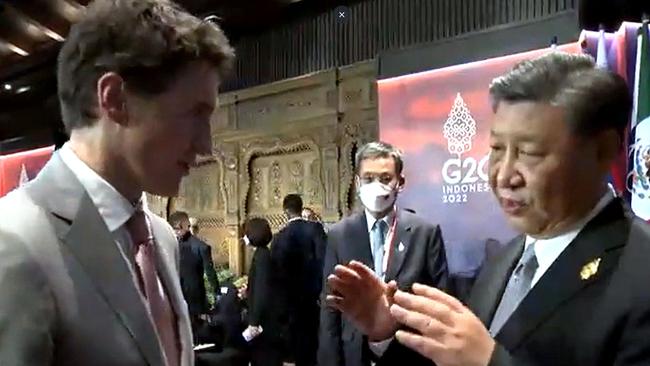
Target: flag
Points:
(641, 126)
(601, 55)
(618, 171)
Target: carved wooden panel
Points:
(274, 176)
(201, 192)
(202, 196)
(293, 136)
(297, 99)
(157, 205)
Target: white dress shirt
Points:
(114, 209)
(548, 250)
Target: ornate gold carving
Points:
(201, 192)
(157, 205)
(260, 154)
(210, 222)
(294, 136)
(296, 177)
(276, 181)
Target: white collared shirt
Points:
(114, 209)
(548, 250)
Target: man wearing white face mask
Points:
(393, 245)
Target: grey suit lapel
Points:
(82, 230)
(104, 264)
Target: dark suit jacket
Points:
(260, 291)
(298, 252)
(422, 260)
(195, 260)
(569, 319)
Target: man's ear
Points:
(401, 182)
(111, 97)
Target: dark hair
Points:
(258, 231)
(177, 217)
(293, 204)
(594, 99)
(376, 150)
(146, 42)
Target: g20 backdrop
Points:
(440, 120)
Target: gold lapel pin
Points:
(589, 269)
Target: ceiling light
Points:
(7, 86)
(54, 35)
(17, 50)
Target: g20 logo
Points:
(465, 171)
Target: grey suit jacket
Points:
(67, 296)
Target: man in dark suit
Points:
(394, 245)
(572, 289)
(195, 262)
(298, 251)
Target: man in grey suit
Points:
(88, 275)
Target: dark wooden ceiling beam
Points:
(42, 15)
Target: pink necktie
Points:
(151, 288)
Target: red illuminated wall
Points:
(27, 164)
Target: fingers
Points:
(335, 302)
(345, 273)
(391, 289)
(425, 346)
(339, 286)
(439, 296)
(362, 270)
(425, 325)
(423, 305)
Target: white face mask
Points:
(246, 240)
(377, 197)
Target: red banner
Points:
(441, 120)
(19, 168)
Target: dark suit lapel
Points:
(572, 271)
(399, 246)
(490, 285)
(360, 240)
(91, 244)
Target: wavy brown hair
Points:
(145, 41)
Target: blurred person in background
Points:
(267, 345)
(195, 264)
(298, 251)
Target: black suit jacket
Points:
(260, 291)
(195, 260)
(602, 318)
(422, 259)
(298, 252)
